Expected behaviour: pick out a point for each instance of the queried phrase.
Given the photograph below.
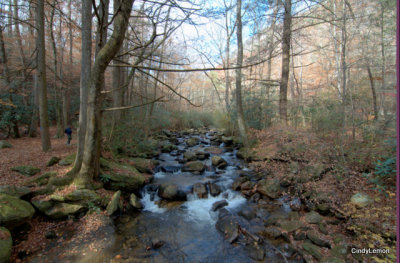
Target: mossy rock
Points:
(59, 181)
(62, 210)
(112, 207)
(313, 218)
(144, 165)
(5, 144)
(53, 160)
(42, 179)
(270, 188)
(69, 160)
(291, 226)
(5, 245)
(195, 166)
(192, 141)
(135, 202)
(42, 205)
(361, 200)
(17, 191)
(124, 182)
(313, 250)
(14, 211)
(26, 170)
(84, 196)
(44, 190)
(168, 147)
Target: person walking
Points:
(68, 131)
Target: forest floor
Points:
(283, 153)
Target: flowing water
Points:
(185, 231)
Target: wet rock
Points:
(53, 160)
(255, 198)
(202, 155)
(135, 202)
(156, 244)
(290, 226)
(318, 239)
(269, 187)
(295, 204)
(273, 232)
(200, 190)
(62, 210)
(170, 169)
(228, 227)
(17, 191)
(195, 166)
(190, 156)
(192, 141)
(254, 251)
(67, 160)
(247, 212)
(5, 245)
(227, 140)
(219, 162)
(361, 200)
(26, 170)
(236, 184)
(247, 185)
(214, 189)
(14, 211)
(219, 204)
(5, 144)
(112, 207)
(171, 192)
(312, 250)
(313, 218)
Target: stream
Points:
(188, 230)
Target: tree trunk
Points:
(41, 71)
(103, 58)
(371, 81)
(287, 21)
(86, 64)
(240, 115)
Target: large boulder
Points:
(17, 191)
(5, 245)
(200, 190)
(14, 211)
(144, 165)
(190, 156)
(195, 166)
(192, 141)
(361, 200)
(269, 187)
(228, 226)
(219, 204)
(26, 170)
(171, 192)
(62, 210)
(5, 144)
(218, 162)
(125, 182)
(67, 160)
(83, 196)
(112, 207)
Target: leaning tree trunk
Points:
(239, 63)
(41, 71)
(287, 20)
(103, 58)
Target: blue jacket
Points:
(68, 131)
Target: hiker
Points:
(68, 131)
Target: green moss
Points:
(26, 170)
(67, 160)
